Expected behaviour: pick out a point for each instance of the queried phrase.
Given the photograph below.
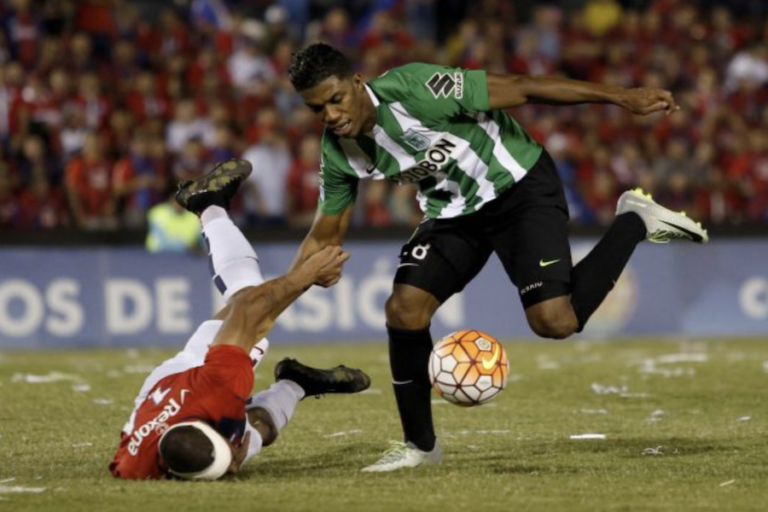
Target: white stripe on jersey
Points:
(404, 160)
(466, 159)
(499, 150)
(359, 161)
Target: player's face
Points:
(342, 104)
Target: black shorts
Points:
(526, 226)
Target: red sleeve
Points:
(229, 365)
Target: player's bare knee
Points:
(551, 322)
(403, 313)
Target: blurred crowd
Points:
(106, 104)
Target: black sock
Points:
(409, 360)
(596, 275)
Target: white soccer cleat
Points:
(405, 455)
(661, 224)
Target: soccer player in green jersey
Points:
(484, 185)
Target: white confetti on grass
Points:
(16, 489)
(744, 418)
(593, 411)
(765, 366)
(103, 401)
(655, 416)
(30, 378)
(138, 368)
(81, 388)
(659, 450)
(343, 434)
(588, 436)
(729, 482)
(682, 358)
(608, 390)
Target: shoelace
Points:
(664, 237)
(394, 453)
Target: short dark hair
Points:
(186, 450)
(315, 63)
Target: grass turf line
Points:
(677, 437)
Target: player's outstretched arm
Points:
(326, 230)
(508, 91)
(252, 312)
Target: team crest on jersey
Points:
(444, 84)
(416, 140)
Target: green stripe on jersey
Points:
(433, 128)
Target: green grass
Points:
(513, 454)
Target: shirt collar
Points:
(373, 97)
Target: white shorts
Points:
(193, 356)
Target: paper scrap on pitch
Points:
(4, 489)
(588, 436)
(683, 358)
(103, 401)
(729, 482)
(744, 418)
(608, 390)
(81, 388)
(593, 411)
(43, 379)
(342, 434)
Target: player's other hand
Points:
(647, 100)
(324, 267)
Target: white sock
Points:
(255, 444)
(234, 263)
(279, 400)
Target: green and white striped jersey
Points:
(434, 128)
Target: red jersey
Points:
(215, 393)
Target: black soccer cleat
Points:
(314, 381)
(215, 188)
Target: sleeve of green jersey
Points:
(338, 189)
(432, 91)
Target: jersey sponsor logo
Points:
(434, 160)
(443, 84)
(159, 395)
(158, 422)
(531, 287)
(416, 140)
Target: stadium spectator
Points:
(89, 186)
(303, 183)
(264, 192)
(137, 183)
(115, 66)
(171, 228)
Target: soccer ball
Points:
(468, 368)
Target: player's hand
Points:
(239, 453)
(647, 100)
(324, 267)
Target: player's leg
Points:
(270, 411)
(438, 261)
(638, 218)
(232, 260)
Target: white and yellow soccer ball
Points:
(468, 368)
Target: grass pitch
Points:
(685, 427)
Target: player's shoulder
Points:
(332, 156)
(398, 83)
